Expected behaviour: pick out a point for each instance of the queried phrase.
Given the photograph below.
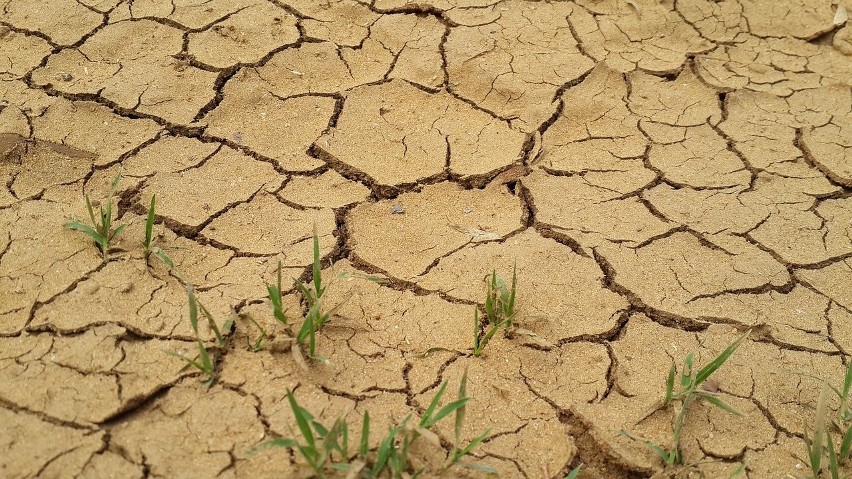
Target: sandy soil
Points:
(666, 174)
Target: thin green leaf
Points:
(164, 258)
(76, 225)
(460, 412)
(317, 270)
(193, 308)
(832, 458)
(670, 384)
(845, 444)
(485, 469)
(279, 442)
(427, 415)
(386, 449)
(149, 224)
(205, 358)
(714, 400)
(91, 211)
(574, 473)
(117, 232)
(302, 419)
(472, 444)
(365, 436)
(715, 364)
(444, 411)
(189, 362)
(738, 471)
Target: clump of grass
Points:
(101, 230)
(689, 389)
(202, 362)
(499, 310)
(820, 444)
(313, 296)
(327, 449)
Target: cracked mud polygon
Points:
(665, 174)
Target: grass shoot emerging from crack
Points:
(820, 443)
(202, 362)
(101, 231)
(685, 388)
(499, 310)
(312, 294)
(328, 449)
(150, 248)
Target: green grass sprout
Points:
(574, 473)
(689, 389)
(101, 231)
(202, 362)
(820, 442)
(499, 310)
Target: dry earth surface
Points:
(666, 175)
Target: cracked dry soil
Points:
(666, 174)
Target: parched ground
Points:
(666, 175)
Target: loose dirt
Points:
(664, 174)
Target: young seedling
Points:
(203, 363)
(277, 299)
(689, 388)
(840, 423)
(151, 249)
(258, 344)
(101, 231)
(326, 449)
(313, 296)
(499, 309)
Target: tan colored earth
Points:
(665, 174)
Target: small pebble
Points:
(64, 76)
(468, 210)
(397, 209)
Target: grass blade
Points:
(193, 308)
(91, 212)
(427, 415)
(149, 225)
(317, 271)
(460, 412)
(832, 458)
(364, 448)
(574, 472)
(714, 400)
(76, 225)
(279, 442)
(205, 358)
(303, 419)
(715, 364)
(670, 384)
(444, 411)
(472, 444)
(845, 444)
